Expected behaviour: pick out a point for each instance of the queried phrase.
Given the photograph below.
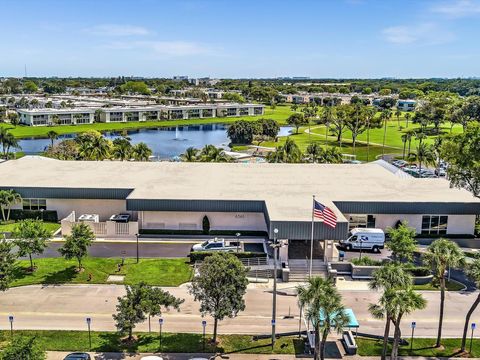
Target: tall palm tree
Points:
(95, 148)
(52, 135)
(190, 154)
(404, 138)
(425, 155)
(441, 255)
(323, 304)
(210, 153)
(385, 116)
(9, 141)
(313, 151)
(407, 117)
(473, 272)
(8, 198)
(389, 277)
(403, 302)
(370, 112)
(397, 114)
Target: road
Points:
(66, 307)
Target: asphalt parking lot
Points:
(352, 254)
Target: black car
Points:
(78, 356)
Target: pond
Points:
(165, 142)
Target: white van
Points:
(365, 239)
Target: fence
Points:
(105, 229)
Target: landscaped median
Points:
(421, 347)
(158, 271)
(171, 342)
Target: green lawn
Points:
(162, 272)
(10, 226)
(451, 286)
(421, 347)
(171, 342)
(280, 114)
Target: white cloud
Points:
(166, 48)
(458, 8)
(423, 34)
(117, 30)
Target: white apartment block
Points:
(45, 117)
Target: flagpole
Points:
(311, 240)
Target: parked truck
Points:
(365, 239)
(217, 244)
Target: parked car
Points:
(215, 244)
(78, 356)
(440, 172)
(400, 163)
(365, 239)
(120, 218)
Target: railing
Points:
(254, 261)
(99, 228)
(122, 228)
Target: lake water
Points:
(165, 142)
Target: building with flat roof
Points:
(242, 197)
(44, 117)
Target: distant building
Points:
(180, 78)
(406, 105)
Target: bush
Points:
(418, 270)
(201, 255)
(366, 261)
(46, 215)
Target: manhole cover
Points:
(115, 278)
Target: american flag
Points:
(324, 213)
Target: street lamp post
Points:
(274, 245)
(160, 322)
(204, 325)
(10, 318)
(89, 321)
(238, 241)
(136, 235)
(413, 326)
(473, 326)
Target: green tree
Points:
(23, 348)
(473, 272)
(210, 153)
(141, 152)
(135, 87)
(30, 238)
(389, 277)
(425, 155)
(287, 153)
(235, 97)
(77, 243)
(52, 135)
(157, 298)
(14, 119)
(297, 120)
(385, 116)
(463, 156)
(190, 154)
(130, 308)
(122, 148)
(8, 198)
(30, 87)
(324, 309)
(267, 128)
(7, 264)
(220, 287)
(242, 132)
(442, 255)
(402, 242)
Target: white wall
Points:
(457, 224)
(193, 220)
(104, 208)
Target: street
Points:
(66, 307)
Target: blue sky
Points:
(262, 38)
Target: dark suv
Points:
(78, 356)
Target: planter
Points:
(422, 280)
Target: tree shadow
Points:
(60, 277)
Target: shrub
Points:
(366, 261)
(46, 215)
(418, 270)
(205, 225)
(201, 255)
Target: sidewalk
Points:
(60, 355)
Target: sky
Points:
(241, 39)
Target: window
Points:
(34, 204)
(434, 224)
(361, 221)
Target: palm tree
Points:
(370, 112)
(385, 115)
(404, 138)
(425, 154)
(9, 141)
(94, 147)
(52, 135)
(122, 148)
(397, 114)
(402, 302)
(8, 198)
(473, 271)
(389, 277)
(313, 151)
(55, 119)
(190, 154)
(324, 309)
(407, 117)
(441, 255)
(141, 152)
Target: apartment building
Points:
(45, 117)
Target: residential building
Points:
(406, 105)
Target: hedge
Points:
(46, 215)
(447, 236)
(200, 232)
(201, 255)
(418, 270)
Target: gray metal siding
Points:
(377, 207)
(70, 193)
(195, 205)
(302, 230)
